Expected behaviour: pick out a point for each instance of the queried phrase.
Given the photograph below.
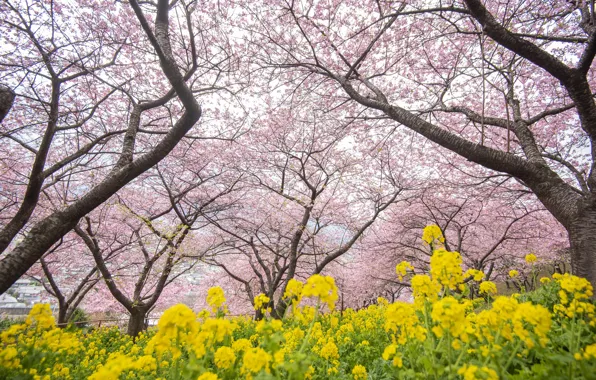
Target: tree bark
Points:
(36, 177)
(49, 230)
(6, 101)
(136, 322)
(62, 315)
(259, 315)
(582, 239)
(280, 310)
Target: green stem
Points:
(572, 347)
(176, 365)
(449, 352)
(463, 351)
(312, 323)
(496, 341)
(508, 362)
(428, 328)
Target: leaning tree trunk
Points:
(6, 100)
(136, 322)
(582, 238)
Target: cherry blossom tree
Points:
(492, 231)
(141, 247)
(486, 231)
(288, 139)
(102, 95)
(309, 196)
(506, 85)
(67, 276)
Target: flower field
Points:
(548, 333)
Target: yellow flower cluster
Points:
(472, 372)
(216, 298)
(261, 301)
(433, 235)
(208, 376)
(445, 268)
(390, 353)
(41, 317)
(403, 322)
(255, 360)
(424, 288)
(513, 320)
(118, 363)
(488, 288)
(477, 275)
(359, 372)
(450, 316)
(323, 288)
(178, 323)
(224, 357)
(293, 293)
(9, 357)
(443, 334)
(574, 295)
(402, 269)
(589, 352)
(329, 351)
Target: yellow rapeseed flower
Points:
(208, 376)
(531, 258)
(473, 372)
(177, 323)
(215, 298)
(293, 289)
(241, 345)
(389, 352)
(488, 288)
(329, 351)
(589, 352)
(323, 288)
(477, 275)
(402, 268)
(261, 301)
(118, 363)
(41, 316)
(359, 372)
(402, 320)
(424, 288)
(432, 234)
(450, 315)
(177, 317)
(445, 268)
(255, 360)
(224, 357)
(9, 357)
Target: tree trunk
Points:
(49, 230)
(62, 315)
(279, 311)
(136, 322)
(582, 239)
(7, 96)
